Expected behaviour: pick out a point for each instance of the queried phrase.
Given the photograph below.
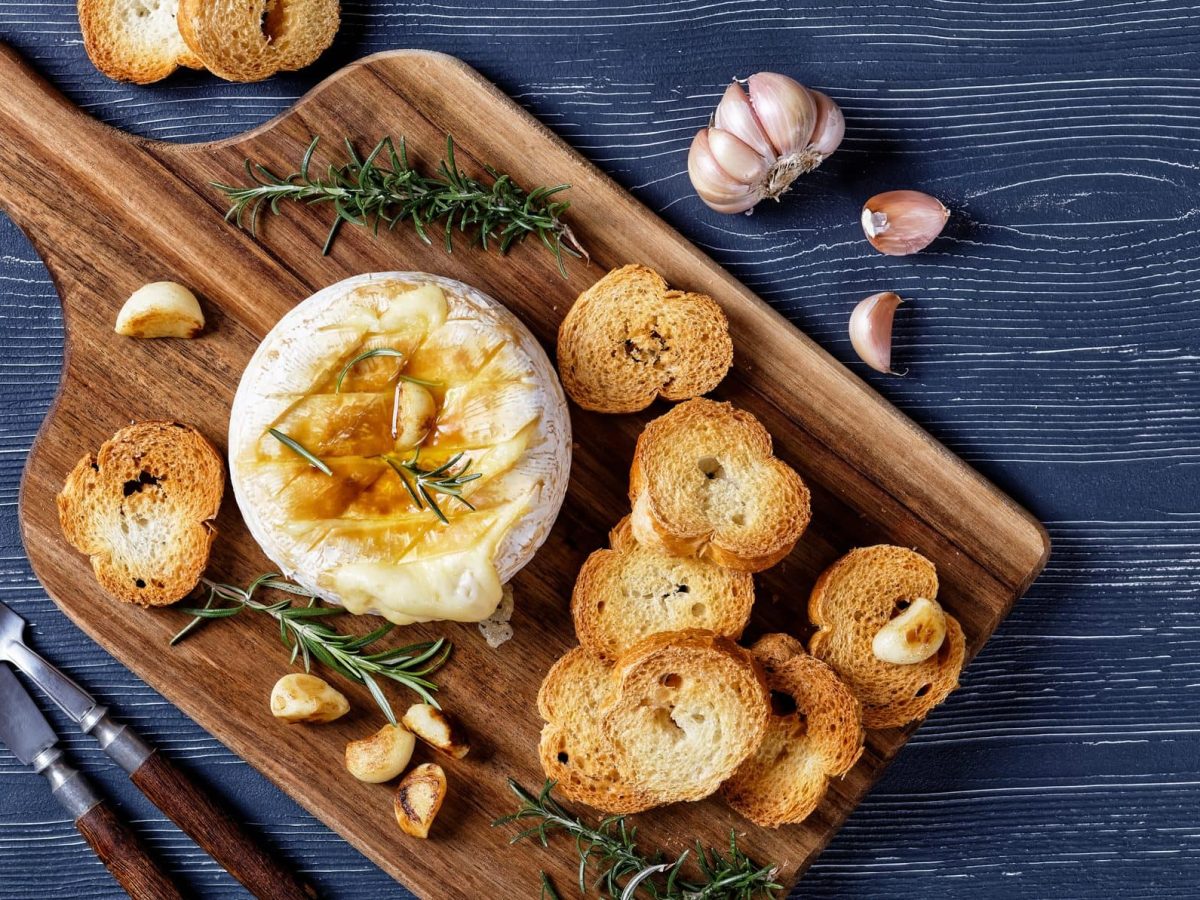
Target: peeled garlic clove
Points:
(419, 798)
(382, 756)
(160, 309)
(830, 127)
(738, 160)
(438, 729)
(901, 222)
(735, 115)
(714, 185)
(871, 330)
(785, 109)
(306, 698)
(913, 636)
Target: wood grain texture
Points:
(124, 856)
(1049, 339)
(147, 212)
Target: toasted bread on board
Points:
(143, 507)
(705, 483)
(856, 597)
(574, 750)
(631, 591)
(687, 709)
(249, 40)
(815, 733)
(135, 40)
(629, 339)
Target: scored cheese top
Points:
(469, 379)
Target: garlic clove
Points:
(735, 115)
(738, 160)
(901, 222)
(785, 109)
(871, 330)
(830, 126)
(913, 636)
(712, 183)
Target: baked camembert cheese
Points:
(444, 431)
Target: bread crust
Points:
(747, 516)
(142, 509)
(629, 339)
(850, 602)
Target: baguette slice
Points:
(705, 483)
(851, 601)
(135, 40)
(574, 749)
(689, 707)
(628, 339)
(630, 592)
(249, 40)
(815, 734)
(143, 507)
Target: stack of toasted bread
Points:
(659, 703)
(146, 40)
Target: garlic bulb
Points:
(871, 330)
(901, 222)
(759, 142)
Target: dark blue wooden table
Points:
(1052, 339)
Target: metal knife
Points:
(28, 735)
(195, 812)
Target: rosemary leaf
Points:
(385, 189)
(422, 484)
(298, 448)
(370, 354)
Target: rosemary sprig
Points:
(296, 447)
(307, 637)
(370, 354)
(623, 872)
(422, 484)
(385, 188)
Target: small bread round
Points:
(816, 736)
(142, 509)
(253, 39)
(631, 591)
(629, 339)
(574, 750)
(705, 483)
(688, 708)
(851, 601)
(134, 40)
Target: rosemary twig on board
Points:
(303, 632)
(623, 872)
(385, 188)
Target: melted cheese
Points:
(358, 536)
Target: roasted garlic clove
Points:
(382, 756)
(438, 729)
(158, 310)
(418, 799)
(913, 636)
(300, 697)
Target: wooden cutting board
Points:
(109, 212)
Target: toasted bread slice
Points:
(249, 40)
(688, 708)
(631, 591)
(135, 40)
(815, 734)
(705, 483)
(143, 507)
(851, 601)
(628, 339)
(574, 749)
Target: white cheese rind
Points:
(286, 364)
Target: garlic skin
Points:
(759, 142)
(898, 223)
(871, 330)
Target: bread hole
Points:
(135, 485)
(900, 606)
(670, 680)
(140, 582)
(563, 757)
(599, 606)
(666, 722)
(738, 519)
(698, 718)
(710, 466)
(682, 589)
(698, 609)
(272, 21)
(923, 690)
(783, 704)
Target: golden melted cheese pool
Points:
(453, 374)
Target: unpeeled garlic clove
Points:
(913, 636)
(714, 185)
(830, 128)
(735, 115)
(871, 330)
(901, 222)
(785, 109)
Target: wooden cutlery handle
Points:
(122, 853)
(216, 832)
